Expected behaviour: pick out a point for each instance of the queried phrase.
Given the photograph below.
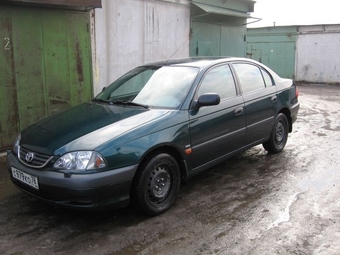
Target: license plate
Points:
(25, 178)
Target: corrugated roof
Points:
(221, 11)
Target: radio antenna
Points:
(192, 34)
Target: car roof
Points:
(200, 62)
(206, 62)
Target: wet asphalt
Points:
(253, 203)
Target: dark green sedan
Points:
(150, 130)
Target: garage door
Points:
(45, 65)
(217, 40)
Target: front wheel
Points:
(279, 135)
(156, 184)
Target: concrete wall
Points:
(318, 51)
(127, 33)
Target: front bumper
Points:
(79, 191)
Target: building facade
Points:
(303, 53)
(218, 28)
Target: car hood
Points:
(84, 127)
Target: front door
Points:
(217, 130)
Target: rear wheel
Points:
(279, 135)
(156, 184)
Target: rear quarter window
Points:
(267, 78)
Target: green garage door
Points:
(217, 40)
(274, 47)
(279, 56)
(45, 65)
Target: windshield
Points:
(153, 86)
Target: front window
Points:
(153, 86)
(219, 80)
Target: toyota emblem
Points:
(29, 156)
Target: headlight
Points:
(16, 144)
(80, 160)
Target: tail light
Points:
(296, 92)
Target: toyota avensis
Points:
(153, 128)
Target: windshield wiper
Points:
(101, 100)
(130, 103)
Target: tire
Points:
(156, 184)
(279, 135)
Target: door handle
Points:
(274, 99)
(238, 111)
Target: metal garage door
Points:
(274, 47)
(45, 65)
(217, 40)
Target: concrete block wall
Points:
(128, 33)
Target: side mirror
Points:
(208, 100)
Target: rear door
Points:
(260, 97)
(217, 130)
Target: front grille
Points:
(32, 158)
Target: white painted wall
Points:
(127, 33)
(317, 54)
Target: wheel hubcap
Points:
(159, 185)
(280, 132)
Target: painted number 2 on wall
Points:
(6, 43)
